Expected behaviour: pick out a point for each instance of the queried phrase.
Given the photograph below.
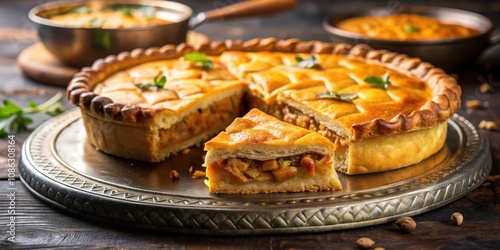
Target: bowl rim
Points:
(330, 21)
(34, 13)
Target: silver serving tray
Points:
(60, 167)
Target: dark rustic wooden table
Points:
(38, 225)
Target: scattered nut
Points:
(485, 88)
(379, 248)
(190, 171)
(186, 151)
(198, 174)
(457, 219)
(406, 224)
(488, 125)
(365, 243)
(473, 104)
(174, 175)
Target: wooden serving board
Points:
(40, 65)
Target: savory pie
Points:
(130, 115)
(260, 154)
(405, 27)
(382, 110)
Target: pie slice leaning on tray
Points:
(260, 154)
(382, 110)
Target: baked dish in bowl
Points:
(381, 110)
(406, 27)
(433, 34)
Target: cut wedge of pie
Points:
(382, 110)
(260, 154)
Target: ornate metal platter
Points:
(61, 168)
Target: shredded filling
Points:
(281, 169)
(294, 116)
(214, 116)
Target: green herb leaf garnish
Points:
(308, 63)
(81, 10)
(13, 118)
(411, 29)
(146, 86)
(149, 12)
(159, 82)
(96, 22)
(126, 11)
(198, 57)
(337, 96)
(379, 82)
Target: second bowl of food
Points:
(433, 34)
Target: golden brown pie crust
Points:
(444, 103)
(261, 137)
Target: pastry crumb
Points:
(485, 88)
(474, 104)
(174, 175)
(488, 125)
(190, 171)
(186, 151)
(198, 174)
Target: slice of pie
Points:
(260, 154)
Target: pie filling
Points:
(217, 115)
(245, 170)
(295, 117)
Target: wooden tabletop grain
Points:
(38, 225)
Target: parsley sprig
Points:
(198, 57)
(411, 28)
(14, 118)
(158, 83)
(337, 96)
(308, 63)
(379, 82)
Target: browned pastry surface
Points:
(417, 103)
(260, 154)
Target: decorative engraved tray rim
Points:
(73, 192)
